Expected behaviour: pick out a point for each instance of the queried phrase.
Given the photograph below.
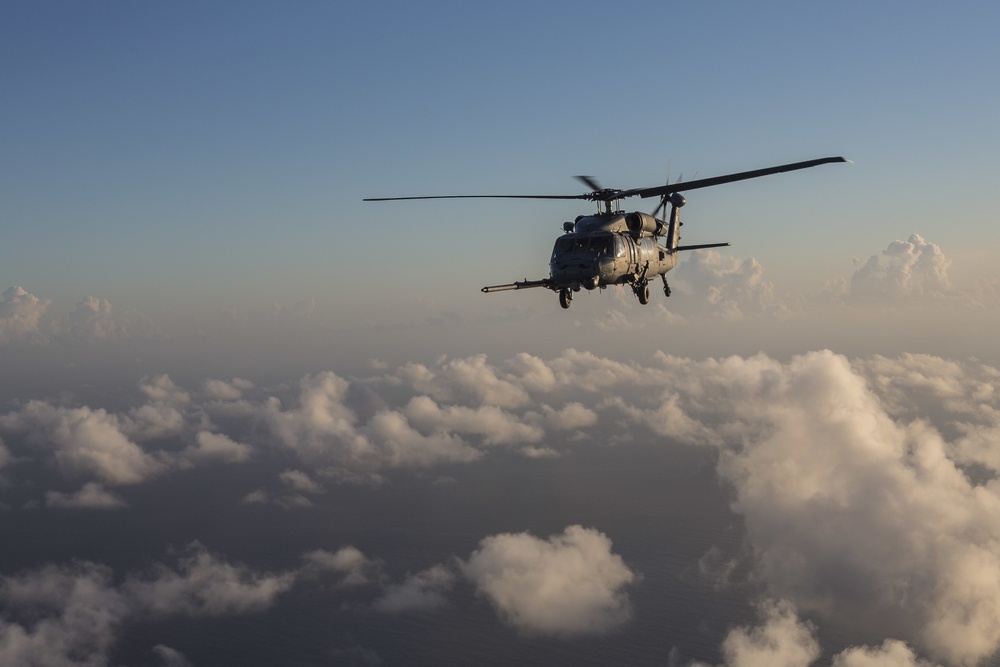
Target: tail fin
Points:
(674, 225)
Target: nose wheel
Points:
(565, 297)
(666, 287)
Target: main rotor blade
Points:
(589, 182)
(663, 190)
(586, 196)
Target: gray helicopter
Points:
(613, 247)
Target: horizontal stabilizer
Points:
(701, 247)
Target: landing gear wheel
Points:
(642, 291)
(666, 287)
(565, 297)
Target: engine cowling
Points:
(639, 223)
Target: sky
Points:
(202, 325)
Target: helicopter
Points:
(614, 247)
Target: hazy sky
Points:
(203, 327)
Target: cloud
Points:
(356, 569)
(324, 430)
(905, 269)
(571, 584)
(73, 614)
(492, 424)
(216, 447)
(300, 481)
(285, 500)
(460, 380)
(20, 315)
(202, 584)
(170, 657)
(90, 496)
(724, 287)
(423, 591)
(85, 442)
(782, 639)
(92, 320)
(60, 615)
(851, 513)
(891, 653)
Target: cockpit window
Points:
(598, 246)
(602, 246)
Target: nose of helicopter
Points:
(576, 274)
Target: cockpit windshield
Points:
(601, 245)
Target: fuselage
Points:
(609, 249)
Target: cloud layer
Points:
(868, 488)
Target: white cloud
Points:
(423, 591)
(85, 442)
(851, 514)
(570, 584)
(905, 269)
(723, 286)
(92, 320)
(220, 390)
(20, 315)
(60, 616)
(323, 430)
(356, 569)
(460, 380)
(300, 481)
(203, 584)
(72, 615)
(216, 447)
(162, 390)
(494, 425)
(891, 653)
(90, 496)
(781, 640)
(170, 657)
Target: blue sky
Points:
(173, 154)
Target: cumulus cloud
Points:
(170, 657)
(323, 429)
(60, 615)
(202, 584)
(724, 286)
(91, 496)
(459, 380)
(571, 584)
(73, 614)
(905, 269)
(20, 315)
(350, 563)
(300, 481)
(493, 425)
(84, 442)
(92, 320)
(423, 591)
(87, 442)
(216, 447)
(852, 514)
(782, 639)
